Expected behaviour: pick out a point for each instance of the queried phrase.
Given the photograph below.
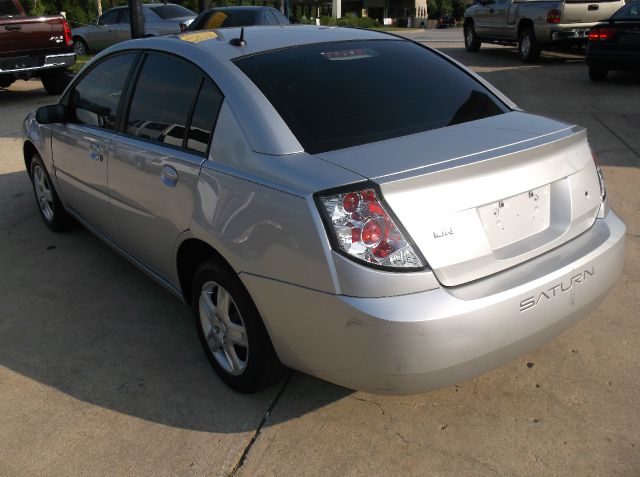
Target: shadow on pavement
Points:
(77, 317)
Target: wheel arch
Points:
(28, 150)
(524, 23)
(191, 253)
(468, 21)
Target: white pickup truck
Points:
(533, 24)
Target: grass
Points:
(80, 62)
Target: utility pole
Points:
(99, 5)
(202, 5)
(137, 19)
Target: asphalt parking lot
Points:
(101, 371)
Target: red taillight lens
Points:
(554, 16)
(601, 34)
(364, 230)
(67, 33)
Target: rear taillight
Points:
(67, 33)
(361, 227)
(601, 34)
(554, 16)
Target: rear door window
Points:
(342, 94)
(95, 98)
(171, 11)
(174, 104)
(109, 18)
(162, 100)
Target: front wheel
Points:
(49, 205)
(231, 331)
(80, 47)
(597, 74)
(55, 81)
(471, 41)
(528, 47)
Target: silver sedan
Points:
(346, 203)
(114, 26)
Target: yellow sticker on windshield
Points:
(199, 36)
(216, 20)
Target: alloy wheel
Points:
(43, 192)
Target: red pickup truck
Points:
(34, 46)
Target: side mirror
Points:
(55, 113)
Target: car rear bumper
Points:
(423, 341)
(32, 65)
(613, 60)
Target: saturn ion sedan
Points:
(343, 202)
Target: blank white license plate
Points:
(515, 218)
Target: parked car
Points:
(615, 44)
(114, 25)
(446, 21)
(533, 25)
(34, 46)
(309, 226)
(225, 17)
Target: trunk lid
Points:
(483, 196)
(580, 11)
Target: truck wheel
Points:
(80, 47)
(55, 81)
(471, 41)
(597, 74)
(6, 82)
(528, 47)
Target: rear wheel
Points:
(528, 47)
(55, 81)
(597, 74)
(49, 205)
(231, 331)
(80, 47)
(471, 41)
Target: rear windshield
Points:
(171, 11)
(8, 8)
(230, 18)
(342, 94)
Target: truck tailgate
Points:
(20, 36)
(581, 11)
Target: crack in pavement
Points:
(261, 424)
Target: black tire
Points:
(597, 74)
(49, 205)
(471, 41)
(528, 47)
(80, 46)
(55, 81)
(6, 81)
(262, 368)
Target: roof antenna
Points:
(238, 41)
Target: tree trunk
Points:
(99, 5)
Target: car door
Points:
(80, 146)
(497, 24)
(482, 17)
(102, 35)
(155, 162)
(123, 27)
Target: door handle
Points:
(169, 176)
(13, 27)
(94, 152)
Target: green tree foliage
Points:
(437, 8)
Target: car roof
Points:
(239, 8)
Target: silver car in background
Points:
(114, 26)
(343, 202)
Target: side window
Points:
(94, 100)
(270, 17)
(109, 18)
(124, 16)
(204, 117)
(162, 100)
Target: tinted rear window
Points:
(171, 11)
(229, 18)
(337, 95)
(8, 8)
(631, 11)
